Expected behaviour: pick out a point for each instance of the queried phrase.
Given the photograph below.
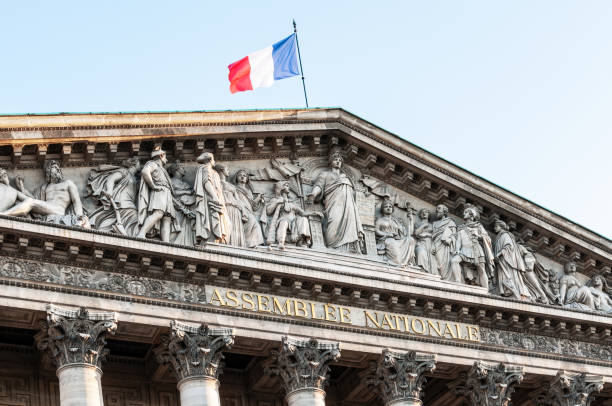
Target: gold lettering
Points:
(387, 321)
(436, 329)
(422, 330)
(344, 318)
(330, 316)
(313, 312)
(406, 324)
(368, 316)
(301, 308)
(216, 296)
(448, 329)
(248, 298)
(459, 332)
(284, 309)
(232, 296)
(262, 305)
(473, 333)
(397, 323)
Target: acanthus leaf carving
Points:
(568, 390)
(303, 364)
(76, 336)
(194, 351)
(488, 384)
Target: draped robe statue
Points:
(211, 214)
(510, 266)
(444, 237)
(342, 229)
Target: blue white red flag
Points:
(261, 68)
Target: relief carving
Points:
(568, 390)
(56, 201)
(194, 351)
(303, 364)
(76, 336)
(212, 220)
(394, 239)
(488, 384)
(400, 377)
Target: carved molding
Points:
(401, 376)
(303, 364)
(568, 390)
(488, 384)
(76, 336)
(107, 281)
(194, 351)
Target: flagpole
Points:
(300, 59)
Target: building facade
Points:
(300, 257)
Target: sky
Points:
(519, 93)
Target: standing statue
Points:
(234, 209)
(424, 250)
(211, 214)
(473, 250)
(601, 294)
(115, 188)
(155, 198)
(444, 237)
(510, 265)
(249, 202)
(342, 227)
(393, 237)
(57, 200)
(572, 293)
(287, 217)
(184, 200)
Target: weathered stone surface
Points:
(303, 364)
(568, 390)
(76, 336)
(195, 351)
(487, 384)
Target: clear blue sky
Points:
(518, 92)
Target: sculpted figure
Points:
(155, 198)
(473, 251)
(510, 265)
(115, 189)
(393, 239)
(249, 203)
(184, 200)
(424, 250)
(52, 201)
(342, 228)
(9, 196)
(287, 217)
(443, 238)
(573, 293)
(538, 279)
(233, 207)
(211, 214)
(600, 291)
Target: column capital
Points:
(567, 389)
(303, 364)
(76, 336)
(488, 384)
(401, 376)
(194, 351)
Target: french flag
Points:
(261, 68)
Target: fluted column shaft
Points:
(304, 369)
(195, 354)
(75, 339)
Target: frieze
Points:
(100, 280)
(545, 344)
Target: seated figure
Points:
(287, 217)
(574, 294)
(393, 239)
(600, 292)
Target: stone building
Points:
(300, 257)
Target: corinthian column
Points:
(195, 354)
(304, 368)
(75, 340)
(399, 378)
(568, 390)
(488, 384)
